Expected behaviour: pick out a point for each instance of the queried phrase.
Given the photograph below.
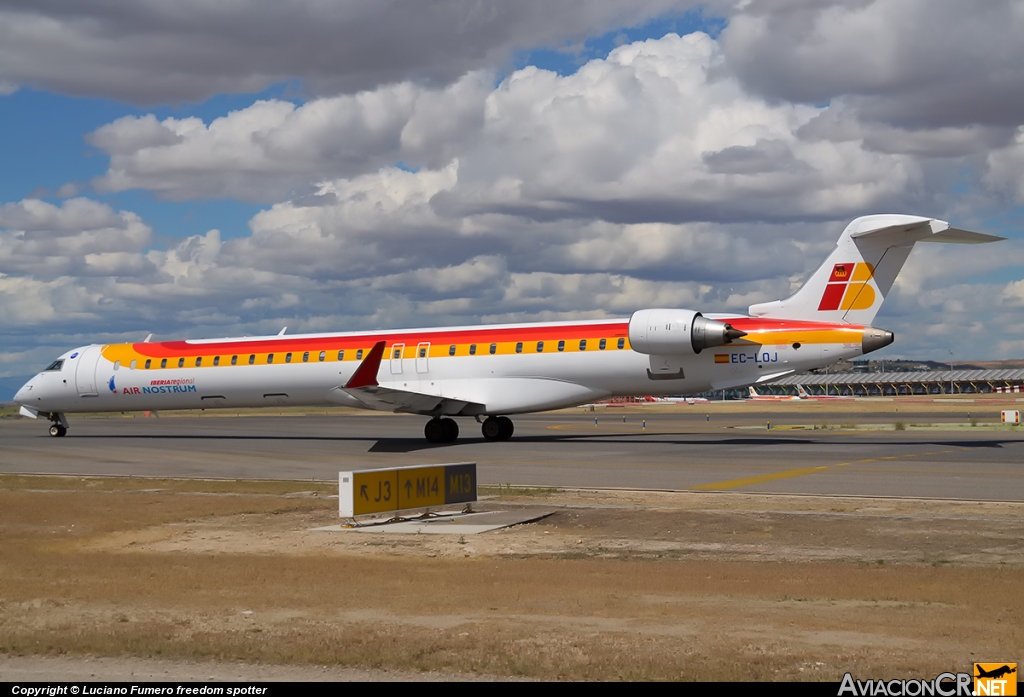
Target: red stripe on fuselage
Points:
(484, 335)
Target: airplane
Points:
(995, 672)
(804, 394)
(754, 396)
(491, 372)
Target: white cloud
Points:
(649, 133)
(80, 237)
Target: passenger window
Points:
(540, 347)
(451, 350)
(181, 362)
(622, 343)
(163, 363)
(132, 364)
(234, 360)
(216, 360)
(583, 344)
(252, 358)
(199, 361)
(359, 355)
(423, 352)
(519, 347)
(117, 365)
(494, 349)
(287, 358)
(305, 356)
(270, 358)
(323, 356)
(149, 362)
(602, 344)
(397, 353)
(561, 345)
(472, 349)
(341, 355)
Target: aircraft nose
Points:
(21, 398)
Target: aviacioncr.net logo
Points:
(943, 685)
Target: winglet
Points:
(366, 373)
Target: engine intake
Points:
(677, 332)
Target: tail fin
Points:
(753, 392)
(854, 281)
(802, 392)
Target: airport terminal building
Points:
(879, 384)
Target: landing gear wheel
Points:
(58, 431)
(441, 431)
(451, 430)
(507, 427)
(434, 431)
(497, 428)
(491, 428)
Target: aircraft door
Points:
(422, 356)
(85, 372)
(396, 358)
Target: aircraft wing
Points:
(365, 388)
(726, 383)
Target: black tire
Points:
(491, 428)
(434, 431)
(451, 430)
(55, 431)
(507, 427)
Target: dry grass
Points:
(631, 586)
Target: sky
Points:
(197, 169)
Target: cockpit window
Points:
(56, 365)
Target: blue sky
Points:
(406, 171)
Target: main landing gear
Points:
(59, 425)
(441, 430)
(445, 430)
(497, 428)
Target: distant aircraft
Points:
(804, 394)
(771, 397)
(490, 372)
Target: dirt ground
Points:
(182, 578)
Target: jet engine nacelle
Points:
(677, 332)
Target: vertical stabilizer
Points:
(854, 281)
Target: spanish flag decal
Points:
(849, 288)
(721, 358)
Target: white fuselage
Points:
(512, 380)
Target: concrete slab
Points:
(446, 523)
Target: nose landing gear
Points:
(59, 427)
(441, 430)
(497, 428)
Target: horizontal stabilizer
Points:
(958, 236)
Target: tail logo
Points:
(849, 288)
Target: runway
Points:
(675, 451)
